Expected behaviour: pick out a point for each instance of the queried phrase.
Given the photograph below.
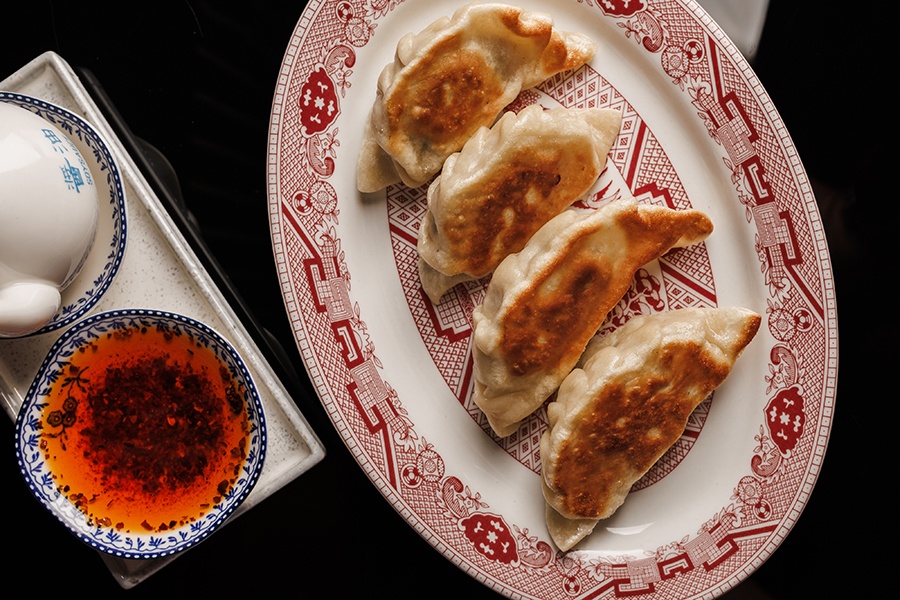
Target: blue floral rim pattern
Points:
(84, 136)
(41, 483)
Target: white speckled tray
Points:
(160, 271)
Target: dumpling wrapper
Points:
(505, 183)
(453, 77)
(544, 304)
(628, 403)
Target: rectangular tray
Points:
(159, 253)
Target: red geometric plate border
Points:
(779, 208)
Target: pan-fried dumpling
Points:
(543, 304)
(505, 183)
(450, 79)
(628, 403)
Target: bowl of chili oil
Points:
(142, 432)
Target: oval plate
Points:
(394, 372)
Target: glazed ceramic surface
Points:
(39, 434)
(62, 217)
(48, 218)
(394, 371)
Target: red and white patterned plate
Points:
(394, 371)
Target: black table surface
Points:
(195, 80)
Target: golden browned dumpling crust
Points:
(551, 311)
(545, 303)
(614, 417)
(450, 79)
(505, 183)
(443, 100)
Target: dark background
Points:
(196, 79)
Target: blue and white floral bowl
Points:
(40, 429)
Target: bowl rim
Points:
(135, 545)
(101, 157)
